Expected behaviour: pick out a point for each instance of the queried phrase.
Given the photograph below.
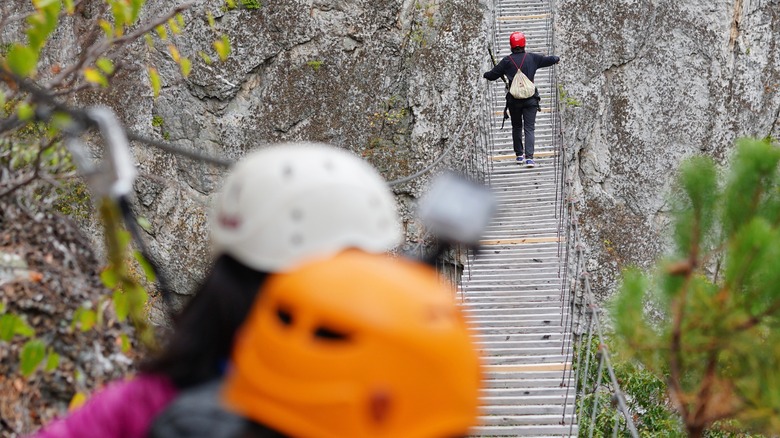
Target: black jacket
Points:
(533, 62)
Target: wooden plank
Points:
(527, 367)
(512, 156)
(543, 110)
(522, 17)
(519, 241)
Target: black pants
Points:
(523, 114)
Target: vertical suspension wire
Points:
(576, 244)
(577, 380)
(584, 373)
(617, 424)
(572, 302)
(618, 393)
(594, 392)
(569, 329)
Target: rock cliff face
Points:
(375, 77)
(648, 83)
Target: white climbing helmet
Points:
(288, 203)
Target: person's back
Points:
(522, 111)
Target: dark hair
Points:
(518, 49)
(203, 332)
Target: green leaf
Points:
(174, 26)
(109, 277)
(22, 60)
(186, 66)
(52, 361)
(145, 265)
(86, 319)
(154, 78)
(41, 4)
(753, 171)
(7, 327)
(108, 29)
(144, 223)
(125, 343)
(77, 401)
(121, 305)
(25, 111)
(32, 354)
(11, 325)
(695, 203)
(60, 121)
(135, 9)
(69, 7)
(174, 53)
(21, 328)
(2, 99)
(222, 46)
(43, 23)
(210, 18)
(206, 58)
(95, 77)
(149, 41)
(124, 238)
(180, 20)
(105, 65)
(162, 32)
(2, 307)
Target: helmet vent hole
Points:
(329, 165)
(296, 239)
(287, 171)
(330, 334)
(296, 214)
(284, 316)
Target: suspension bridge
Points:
(512, 290)
(526, 291)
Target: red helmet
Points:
(516, 39)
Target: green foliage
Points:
(222, 46)
(715, 335)
(32, 354)
(129, 295)
(157, 121)
(252, 4)
(315, 65)
(12, 325)
(422, 26)
(74, 200)
(567, 99)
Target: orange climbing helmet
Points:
(358, 345)
(516, 39)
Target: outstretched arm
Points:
(496, 72)
(548, 61)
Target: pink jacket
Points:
(123, 409)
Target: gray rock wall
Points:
(648, 83)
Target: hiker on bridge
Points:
(522, 110)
